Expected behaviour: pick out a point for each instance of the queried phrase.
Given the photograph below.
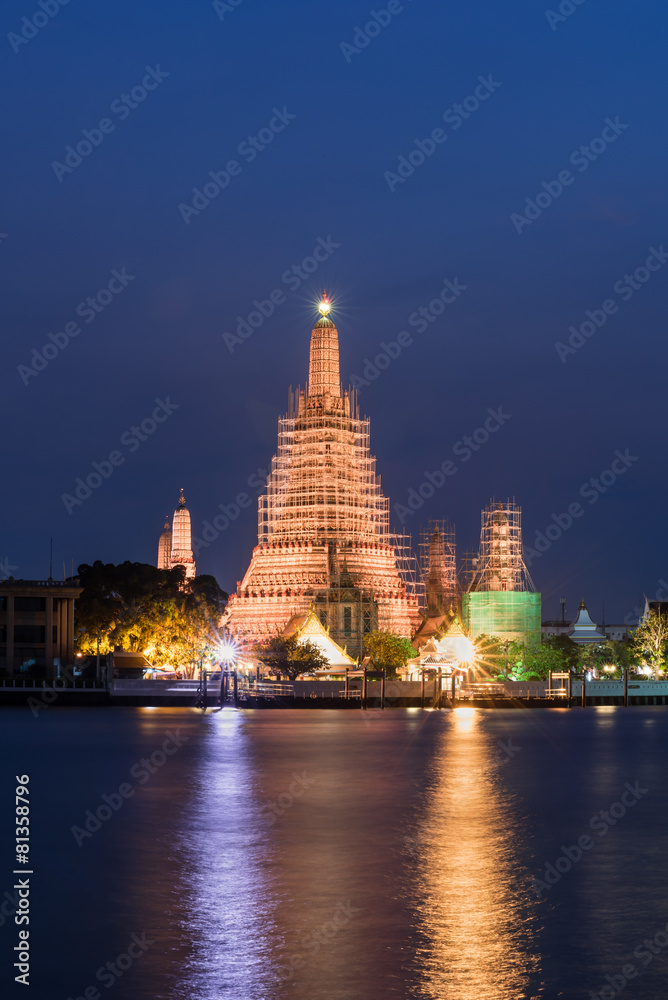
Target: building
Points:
(175, 545)
(454, 651)
(37, 625)
(584, 630)
(323, 522)
(307, 627)
(562, 626)
(165, 547)
(501, 599)
(438, 564)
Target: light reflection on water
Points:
(474, 904)
(402, 868)
(229, 903)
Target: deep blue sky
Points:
(322, 176)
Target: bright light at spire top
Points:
(324, 305)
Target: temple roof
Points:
(307, 626)
(429, 628)
(454, 647)
(584, 629)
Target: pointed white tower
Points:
(584, 629)
(182, 551)
(165, 547)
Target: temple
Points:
(175, 545)
(324, 539)
(584, 629)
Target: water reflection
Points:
(228, 916)
(476, 909)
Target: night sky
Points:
(342, 118)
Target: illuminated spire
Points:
(323, 374)
(182, 553)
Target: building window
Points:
(29, 633)
(54, 635)
(347, 621)
(3, 603)
(3, 634)
(366, 622)
(29, 604)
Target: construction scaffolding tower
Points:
(438, 567)
(501, 598)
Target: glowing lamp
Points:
(324, 305)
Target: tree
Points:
(290, 656)
(139, 608)
(570, 650)
(651, 638)
(532, 660)
(388, 650)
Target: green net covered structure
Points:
(506, 614)
(501, 599)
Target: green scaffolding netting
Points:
(501, 612)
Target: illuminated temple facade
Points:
(323, 523)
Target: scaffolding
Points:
(438, 567)
(500, 597)
(500, 564)
(408, 566)
(323, 509)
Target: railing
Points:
(265, 688)
(479, 689)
